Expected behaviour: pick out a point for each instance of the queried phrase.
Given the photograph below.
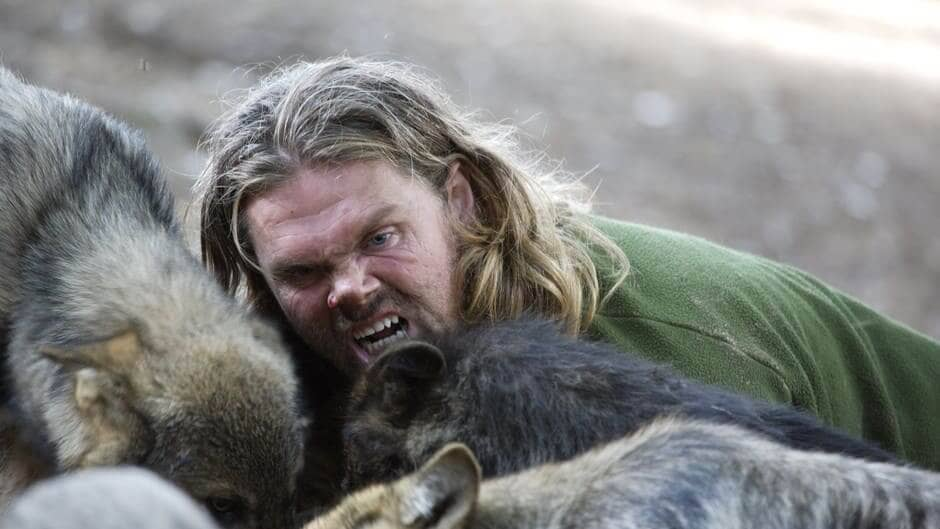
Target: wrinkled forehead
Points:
(323, 211)
(329, 182)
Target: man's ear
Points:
(443, 493)
(460, 199)
(405, 370)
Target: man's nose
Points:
(352, 287)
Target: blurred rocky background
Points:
(807, 131)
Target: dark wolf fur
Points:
(521, 394)
(673, 473)
(106, 498)
(121, 347)
(20, 462)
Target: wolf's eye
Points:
(221, 504)
(226, 511)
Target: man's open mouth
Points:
(382, 333)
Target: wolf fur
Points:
(674, 473)
(121, 349)
(106, 498)
(520, 394)
(20, 463)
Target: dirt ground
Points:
(806, 131)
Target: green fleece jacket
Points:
(763, 328)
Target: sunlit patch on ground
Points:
(894, 38)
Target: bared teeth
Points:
(364, 335)
(373, 347)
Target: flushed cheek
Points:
(427, 293)
(433, 276)
(404, 277)
(302, 305)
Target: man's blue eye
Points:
(379, 239)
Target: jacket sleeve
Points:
(699, 356)
(774, 332)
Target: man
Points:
(354, 201)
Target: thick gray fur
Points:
(675, 474)
(708, 476)
(520, 393)
(121, 347)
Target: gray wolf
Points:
(520, 393)
(120, 347)
(673, 473)
(20, 463)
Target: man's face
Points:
(358, 256)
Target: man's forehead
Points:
(315, 239)
(353, 175)
(324, 231)
(349, 185)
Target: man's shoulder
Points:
(643, 240)
(674, 265)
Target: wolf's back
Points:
(61, 156)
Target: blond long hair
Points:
(531, 246)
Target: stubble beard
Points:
(332, 343)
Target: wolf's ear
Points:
(114, 432)
(117, 354)
(443, 493)
(404, 372)
(410, 361)
(102, 371)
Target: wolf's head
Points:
(391, 423)
(216, 414)
(442, 494)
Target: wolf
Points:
(119, 347)
(106, 498)
(20, 462)
(520, 393)
(676, 473)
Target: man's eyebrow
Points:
(376, 217)
(290, 270)
(369, 223)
